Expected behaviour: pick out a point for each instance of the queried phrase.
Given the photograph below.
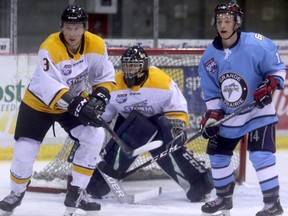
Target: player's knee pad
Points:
(262, 159)
(25, 153)
(90, 138)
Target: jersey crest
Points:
(234, 90)
(79, 78)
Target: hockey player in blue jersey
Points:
(237, 68)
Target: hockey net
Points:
(181, 65)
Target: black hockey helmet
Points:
(135, 66)
(74, 14)
(229, 8)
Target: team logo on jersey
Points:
(121, 98)
(141, 107)
(234, 89)
(211, 66)
(78, 79)
(66, 70)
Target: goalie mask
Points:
(135, 66)
(229, 8)
(74, 14)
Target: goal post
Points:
(182, 66)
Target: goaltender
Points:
(146, 100)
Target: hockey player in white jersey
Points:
(70, 63)
(237, 68)
(147, 100)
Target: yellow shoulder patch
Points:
(58, 52)
(157, 79)
(94, 44)
(120, 84)
(56, 48)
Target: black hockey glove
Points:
(85, 110)
(209, 118)
(263, 93)
(101, 96)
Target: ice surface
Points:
(172, 201)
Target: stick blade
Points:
(147, 147)
(142, 196)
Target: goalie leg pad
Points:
(165, 163)
(97, 186)
(200, 188)
(198, 176)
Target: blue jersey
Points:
(229, 78)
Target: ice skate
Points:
(218, 207)
(10, 202)
(272, 209)
(77, 198)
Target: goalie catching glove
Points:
(170, 127)
(209, 118)
(263, 93)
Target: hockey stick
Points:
(123, 197)
(130, 152)
(174, 145)
(147, 147)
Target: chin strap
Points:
(229, 36)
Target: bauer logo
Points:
(211, 66)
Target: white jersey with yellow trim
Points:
(158, 95)
(58, 71)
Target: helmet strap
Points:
(234, 31)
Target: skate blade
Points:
(218, 213)
(71, 211)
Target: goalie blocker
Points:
(181, 165)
